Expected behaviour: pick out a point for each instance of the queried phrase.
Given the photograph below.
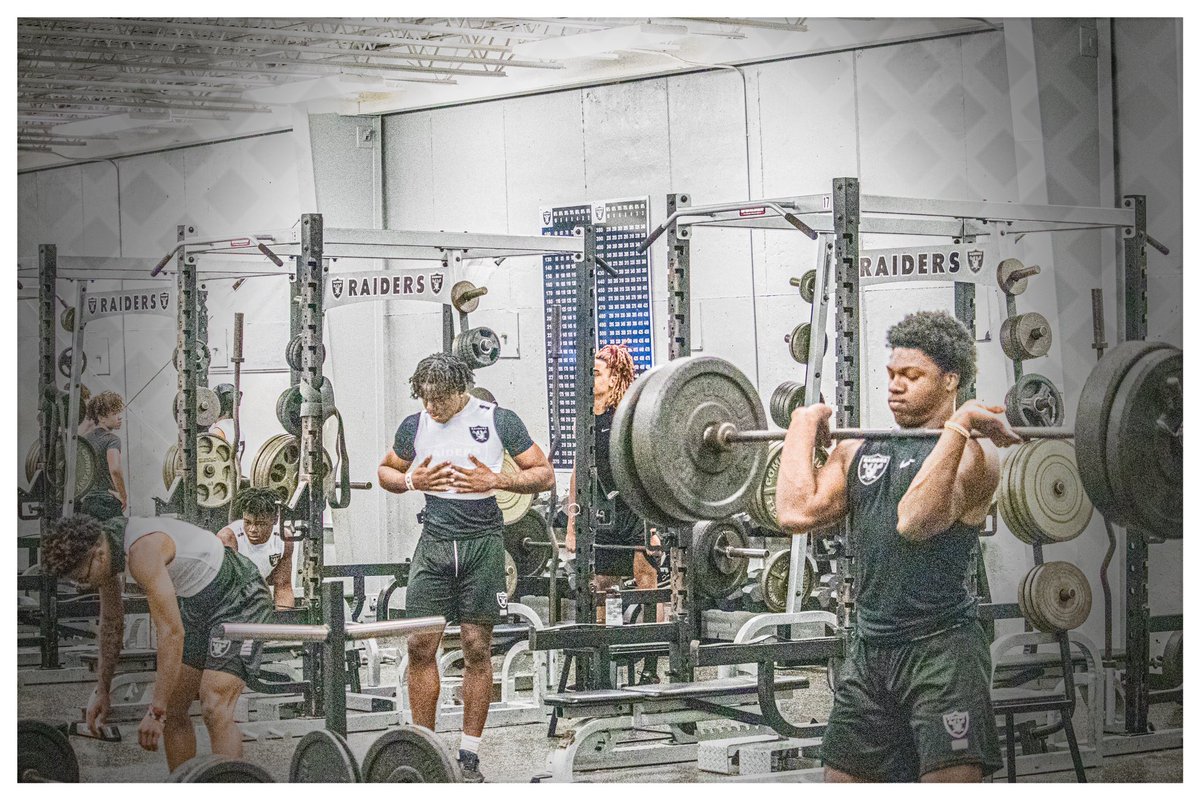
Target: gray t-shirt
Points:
(102, 440)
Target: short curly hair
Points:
(104, 404)
(940, 336)
(441, 374)
(260, 502)
(68, 543)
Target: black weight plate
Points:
(787, 397)
(212, 768)
(45, 749)
(688, 480)
(1144, 459)
(620, 455)
(287, 410)
(1034, 401)
(323, 757)
(529, 560)
(1172, 663)
(714, 574)
(1091, 418)
(410, 754)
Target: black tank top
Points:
(627, 526)
(905, 589)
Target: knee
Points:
(477, 654)
(422, 653)
(216, 707)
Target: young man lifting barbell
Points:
(913, 698)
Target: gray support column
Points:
(585, 427)
(333, 657)
(51, 498)
(849, 353)
(679, 280)
(188, 382)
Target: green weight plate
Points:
(323, 757)
(1092, 418)
(1060, 596)
(212, 768)
(287, 410)
(715, 574)
(1034, 401)
(1144, 445)
(44, 751)
(513, 505)
(277, 466)
(774, 581)
(1172, 662)
(689, 480)
(532, 559)
(620, 455)
(214, 471)
(808, 285)
(410, 754)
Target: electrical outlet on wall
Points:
(365, 136)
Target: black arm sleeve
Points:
(513, 434)
(406, 438)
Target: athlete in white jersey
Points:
(192, 584)
(452, 451)
(255, 537)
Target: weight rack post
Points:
(47, 389)
(74, 398)
(845, 201)
(188, 380)
(585, 441)
(333, 657)
(679, 282)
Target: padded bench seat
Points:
(670, 691)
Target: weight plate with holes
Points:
(171, 465)
(67, 318)
(479, 347)
(1172, 661)
(64, 363)
(679, 402)
(410, 754)
(808, 285)
(620, 456)
(1004, 271)
(1054, 503)
(1060, 596)
(1034, 401)
(512, 504)
(212, 768)
(295, 350)
(510, 574)
(787, 397)
(323, 756)
(456, 297)
(277, 466)
(532, 559)
(287, 410)
(482, 394)
(45, 750)
(1025, 336)
(774, 580)
(1144, 455)
(716, 574)
(214, 471)
(85, 463)
(1092, 418)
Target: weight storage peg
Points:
(807, 284)
(1013, 277)
(464, 296)
(1025, 336)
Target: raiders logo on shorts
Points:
(217, 648)
(502, 599)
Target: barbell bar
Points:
(723, 435)
(728, 552)
(384, 629)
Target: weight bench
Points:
(607, 714)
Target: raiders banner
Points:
(137, 301)
(964, 263)
(405, 284)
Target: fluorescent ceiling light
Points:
(597, 43)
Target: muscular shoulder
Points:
(513, 433)
(843, 453)
(406, 437)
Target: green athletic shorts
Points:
(237, 594)
(904, 710)
(459, 579)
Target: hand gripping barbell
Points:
(675, 458)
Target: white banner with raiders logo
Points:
(405, 284)
(964, 263)
(138, 301)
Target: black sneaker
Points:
(470, 766)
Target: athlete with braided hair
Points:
(612, 373)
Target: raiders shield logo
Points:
(546, 218)
(218, 647)
(957, 723)
(91, 305)
(480, 433)
(502, 599)
(598, 212)
(274, 558)
(435, 282)
(336, 285)
(165, 297)
(871, 467)
(975, 260)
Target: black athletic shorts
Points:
(459, 579)
(237, 594)
(904, 710)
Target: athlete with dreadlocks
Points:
(612, 373)
(452, 451)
